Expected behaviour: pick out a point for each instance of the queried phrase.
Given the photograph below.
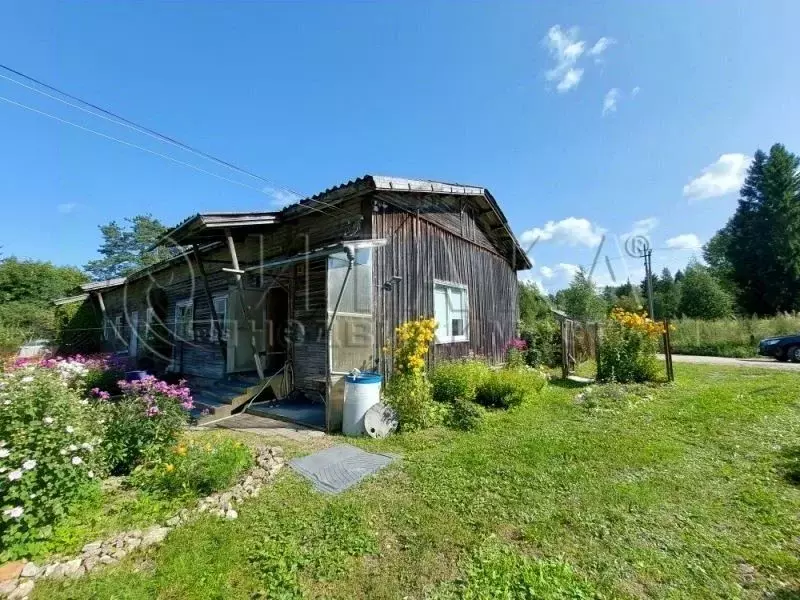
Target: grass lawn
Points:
(691, 492)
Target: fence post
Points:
(564, 350)
(596, 350)
(668, 352)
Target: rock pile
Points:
(17, 578)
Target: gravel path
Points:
(763, 363)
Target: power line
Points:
(120, 120)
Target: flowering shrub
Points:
(515, 353)
(48, 451)
(81, 372)
(145, 422)
(458, 379)
(628, 349)
(409, 390)
(413, 340)
(195, 467)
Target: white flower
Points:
(2, 443)
(14, 475)
(47, 420)
(4, 452)
(62, 452)
(27, 379)
(6, 402)
(3, 469)
(72, 447)
(86, 446)
(91, 474)
(84, 402)
(76, 460)
(29, 464)
(70, 429)
(32, 496)
(14, 513)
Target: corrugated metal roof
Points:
(102, 285)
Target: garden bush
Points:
(465, 415)
(409, 390)
(628, 348)
(195, 467)
(410, 395)
(145, 422)
(49, 438)
(456, 379)
(507, 388)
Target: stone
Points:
(247, 481)
(90, 563)
(154, 535)
(259, 473)
(71, 568)
(107, 560)
(8, 586)
(51, 569)
(119, 554)
(132, 543)
(231, 514)
(174, 521)
(277, 451)
(11, 570)
(23, 590)
(30, 570)
(92, 548)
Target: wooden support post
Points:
(564, 350)
(246, 309)
(597, 348)
(209, 296)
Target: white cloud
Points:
(559, 270)
(610, 101)
(67, 207)
(566, 49)
(571, 79)
(722, 177)
(280, 198)
(572, 231)
(546, 272)
(635, 91)
(642, 227)
(601, 45)
(685, 241)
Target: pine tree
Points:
(763, 247)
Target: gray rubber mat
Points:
(338, 468)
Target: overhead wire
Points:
(120, 120)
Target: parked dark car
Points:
(785, 347)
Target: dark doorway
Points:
(277, 307)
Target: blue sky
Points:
(516, 97)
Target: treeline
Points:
(752, 265)
(28, 287)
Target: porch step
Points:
(212, 404)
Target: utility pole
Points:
(648, 270)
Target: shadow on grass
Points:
(785, 594)
(790, 468)
(568, 384)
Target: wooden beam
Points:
(210, 297)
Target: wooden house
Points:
(294, 300)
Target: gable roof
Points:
(490, 213)
(204, 227)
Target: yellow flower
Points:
(180, 450)
(169, 468)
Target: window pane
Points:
(440, 312)
(357, 294)
(352, 343)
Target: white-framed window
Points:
(221, 309)
(108, 329)
(184, 320)
(451, 311)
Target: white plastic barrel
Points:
(361, 392)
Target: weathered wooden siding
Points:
(424, 247)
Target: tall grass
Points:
(735, 337)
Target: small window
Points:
(184, 320)
(221, 308)
(451, 311)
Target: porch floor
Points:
(305, 413)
